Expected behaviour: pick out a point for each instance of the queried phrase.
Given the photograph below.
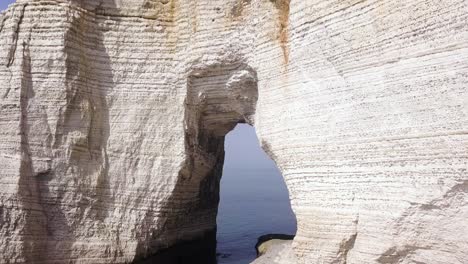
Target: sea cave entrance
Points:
(254, 200)
(252, 197)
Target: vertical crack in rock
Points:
(3, 18)
(12, 51)
(347, 244)
(13, 46)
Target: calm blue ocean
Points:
(254, 200)
(253, 203)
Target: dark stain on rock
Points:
(283, 18)
(172, 9)
(151, 4)
(396, 255)
(238, 7)
(12, 51)
(346, 246)
(163, 10)
(147, 5)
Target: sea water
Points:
(254, 199)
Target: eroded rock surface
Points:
(276, 251)
(113, 116)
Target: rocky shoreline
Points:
(275, 249)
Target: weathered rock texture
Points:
(113, 113)
(275, 251)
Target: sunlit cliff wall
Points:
(113, 116)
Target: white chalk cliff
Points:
(113, 115)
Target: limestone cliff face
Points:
(113, 116)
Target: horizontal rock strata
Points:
(113, 116)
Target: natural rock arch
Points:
(218, 98)
(363, 107)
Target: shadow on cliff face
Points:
(187, 233)
(28, 187)
(189, 215)
(84, 130)
(188, 223)
(198, 250)
(81, 136)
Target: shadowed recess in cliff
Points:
(218, 97)
(80, 134)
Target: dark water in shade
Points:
(254, 199)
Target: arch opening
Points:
(254, 200)
(219, 97)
